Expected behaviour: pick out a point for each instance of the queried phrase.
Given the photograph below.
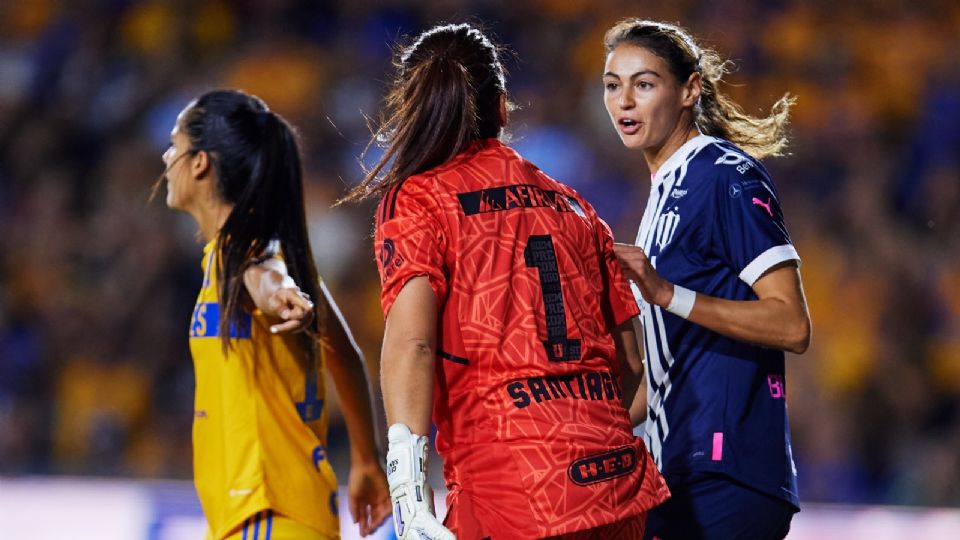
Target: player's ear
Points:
(200, 165)
(691, 90)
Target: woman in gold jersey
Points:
(258, 342)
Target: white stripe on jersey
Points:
(656, 372)
(648, 214)
(660, 227)
(657, 427)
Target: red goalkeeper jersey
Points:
(527, 397)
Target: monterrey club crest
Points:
(666, 226)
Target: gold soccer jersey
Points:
(259, 427)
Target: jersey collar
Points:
(679, 156)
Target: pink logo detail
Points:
(717, 446)
(765, 205)
(775, 383)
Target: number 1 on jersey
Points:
(541, 255)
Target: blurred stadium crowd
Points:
(97, 284)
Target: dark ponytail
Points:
(446, 95)
(256, 156)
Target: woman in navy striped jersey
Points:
(717, 279)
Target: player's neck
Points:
(211, 218)
(656, 157)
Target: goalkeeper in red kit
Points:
(506, 314)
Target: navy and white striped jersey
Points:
(713, 224)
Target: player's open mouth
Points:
(629, 126)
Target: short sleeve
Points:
(750, 235)
(408, 242)
(618, 303)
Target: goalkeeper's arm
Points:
(406, 378)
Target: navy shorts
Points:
(714, 507)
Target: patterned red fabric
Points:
(631, 528)
(527, 399)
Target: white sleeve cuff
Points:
(767, 260)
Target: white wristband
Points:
(682, 302)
